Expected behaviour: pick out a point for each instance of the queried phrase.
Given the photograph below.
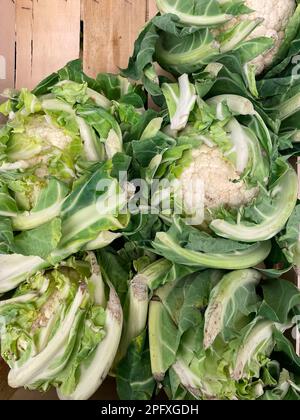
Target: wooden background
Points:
(37, 37)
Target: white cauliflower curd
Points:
(276, 15)
(43, 130)
(39, 142)
(221, 182)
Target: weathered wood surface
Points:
(38, 37)
(110, 28)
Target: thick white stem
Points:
(93, 374)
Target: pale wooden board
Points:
(47, 37)
(110, 29)
(152, 8)
(24, 13)
(7, 44)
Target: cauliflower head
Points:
(276, 15)
(222, 185)
(50, 135)
(40, 144)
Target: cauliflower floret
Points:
(276, 15)
(221, 183)
(42, 129)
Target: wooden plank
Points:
(48, 35)
(110, 29)
(24, 12)
(7, 44)
(56, 35)
(152, 8)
